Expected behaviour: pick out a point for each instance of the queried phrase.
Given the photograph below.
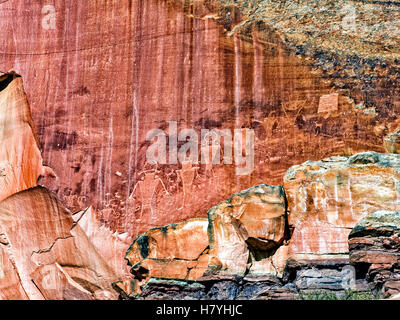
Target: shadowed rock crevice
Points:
(6, 79)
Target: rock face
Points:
(375, 250)
(259, 251)
(247, 230)
(302, 81)
(110, 245)
(391, 142)
(52, 255)
(20, 158)
(327, 199)
(100, 76)
(178, 251)
(46, 252)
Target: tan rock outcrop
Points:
(327, 199)
(20, 157)
(51, 255)
(246, 230)
(178, 251)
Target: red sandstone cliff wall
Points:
(111, 71)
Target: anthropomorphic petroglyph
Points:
(145, 191)
(187, 175)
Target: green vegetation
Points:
(330, 295)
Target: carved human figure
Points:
(187, 175)
(146, 190)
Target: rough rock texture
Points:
(246, 232)
(392, 142)
(327, 199)
(46, 252)
(106, 74)
(375, 250)
(20, 158)
(51, 253)
(237, 253)
(110, 245)
(178, 251)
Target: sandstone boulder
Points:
(246, 232)
(177, 251)
(327, 198)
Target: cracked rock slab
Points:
(51, 256)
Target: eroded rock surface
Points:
(287, 70)
(392, 142)
(20, 157)
(178, 251)
(246, 232)
(51, 254)
(327, 199)
(110, 245)
(375, 250)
